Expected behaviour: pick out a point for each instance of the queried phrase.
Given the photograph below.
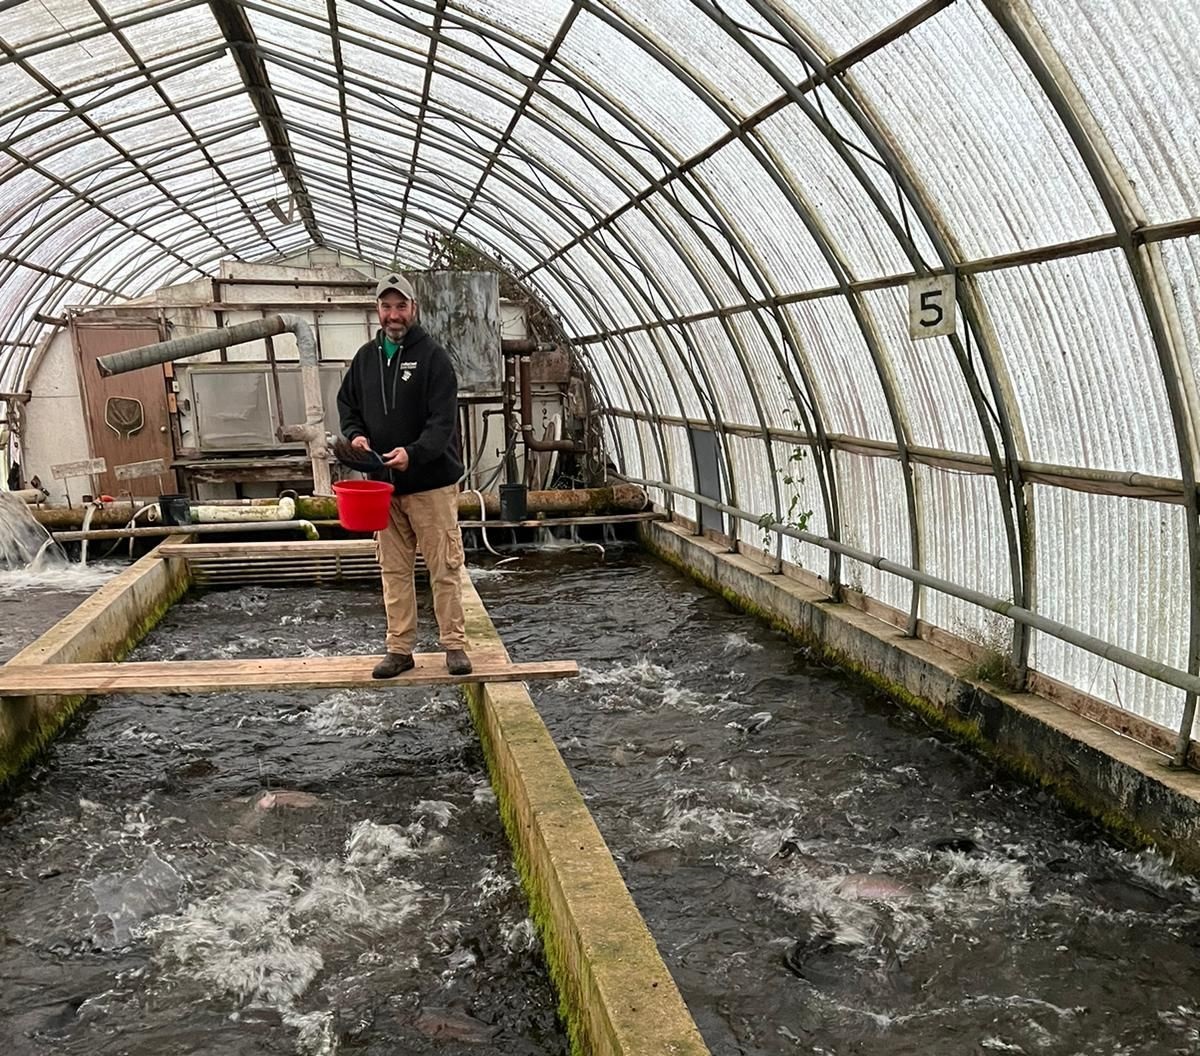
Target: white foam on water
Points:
(316, 1033)
(349, 713)
(521, 937)
(436, 810)
(739, 645)
(491, 884)
(995, 1044)
(374, 846)
(483, 575)
(57, 577)
(970, 877)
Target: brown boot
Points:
(392, 665)
(457, 662)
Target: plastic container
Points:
(363, 505)
(513, 502)
(175, 509)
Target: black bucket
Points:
(513, 505)
(175, 509)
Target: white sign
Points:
(78, 469)
(932, 307)
(137, 470)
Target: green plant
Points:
(794, 517)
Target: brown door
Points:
(127, 414)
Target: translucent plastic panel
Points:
(18, 189)
(396, 75)
(962, 540)
(405, 27)
(751, 488)
(536, 21)
(548, 285)
(479, 102)
(643, 353)
(718, 59)
(856, 229)
(289, 80)
(298, 37)
(623, 447)
(72, 63)
(675, 290)
(679, 459)
(1082, 363)
(52, 18)
(601, 175)
(155, 38)
(929, 383)
(645, 88)
(840, 25)
(733, 395)
(847, 383)
(1143, 107)
(608, 299)
(19, 91)
(708, 249)
(765, 219)
(980, 135)
(764, 43)
(1115, 568)
(754, 333)
(1182, 261)
(874, 515)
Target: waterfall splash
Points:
(24, 543)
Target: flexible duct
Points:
(312, 432)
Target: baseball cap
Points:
(395, 281)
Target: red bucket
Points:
(363, 505)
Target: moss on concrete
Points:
(540, 911)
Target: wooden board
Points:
(218, 676)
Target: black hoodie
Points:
(411, 402)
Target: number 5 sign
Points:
(931, 307)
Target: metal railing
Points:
(1172, 676)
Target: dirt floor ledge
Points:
(1121, 782)
(615, 993)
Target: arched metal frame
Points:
(173, 237)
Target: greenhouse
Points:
(809, 340)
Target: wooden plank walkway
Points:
(218, 676)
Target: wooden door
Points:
(121, 444)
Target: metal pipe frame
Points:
(177, 247)
(1126, 213)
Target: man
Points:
(400, 398)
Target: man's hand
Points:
(397, 458)
(361, 443)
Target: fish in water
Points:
(283, 797)
(874, 887)
(450, 1024)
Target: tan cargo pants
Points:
(429, 520)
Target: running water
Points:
(291, 872)
(824, 874)
(24, 543)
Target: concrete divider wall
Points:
(106, 626)
(615, 994)
(1125, 784)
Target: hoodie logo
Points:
(406, 370)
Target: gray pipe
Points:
(312, 432)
